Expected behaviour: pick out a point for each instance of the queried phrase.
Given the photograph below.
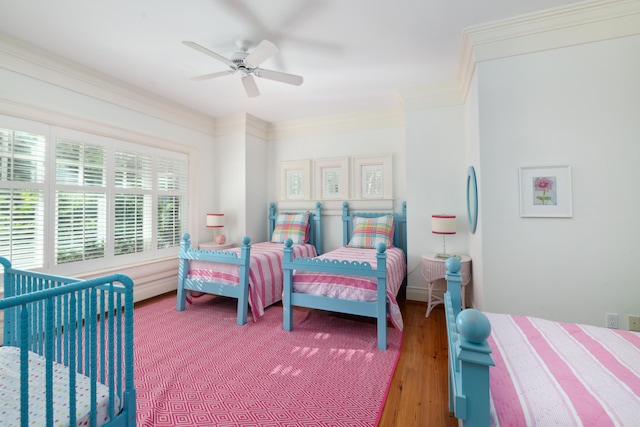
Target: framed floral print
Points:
(545, 191)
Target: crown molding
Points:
(337, 124)
(580, 23)
(25, 59)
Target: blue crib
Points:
(79, 333)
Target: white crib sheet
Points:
(10, 392)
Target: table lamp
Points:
(216, 221)
(443, 224)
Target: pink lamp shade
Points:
(215, 220)
(443, 224)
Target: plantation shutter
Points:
(172, 190)
(133, 202)
(81, 201)
(22, 172)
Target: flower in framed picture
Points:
(544, 190)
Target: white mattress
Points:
(10, 392)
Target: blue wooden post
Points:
(273, 216)
(381, 258)
(346, 222)
(317, 227)
(243, 299)
(474, 356)
(183, 272)
(454, 280)
(287, 319)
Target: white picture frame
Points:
(373, 177)
(545, 191)
(331, 179)
(295, 180)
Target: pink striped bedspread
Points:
(265, 273)
(563, 374)
(356, 287)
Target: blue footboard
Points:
(361, 308)
(239, 291)
(81, 327)
(469, 354)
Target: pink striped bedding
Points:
(265, 273)
(356, 287)
(563, 374)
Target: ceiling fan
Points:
(247, 64)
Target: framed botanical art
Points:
(545, 191)
(373, 177)
(295, 180)
(332, 178)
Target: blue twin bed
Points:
(235, 273)
(67, 353)
(509, 370)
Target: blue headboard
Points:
(399, 222)
(315, 232)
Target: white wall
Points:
(436, 184)
(577, 106)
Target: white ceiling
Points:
(354, 55)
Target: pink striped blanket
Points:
(563, 374)
(356, 287)
(265, 272)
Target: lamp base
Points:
(221, 239)
(447, 256)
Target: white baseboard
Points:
(150, 290)
(417, 294)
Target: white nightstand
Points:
(213, 246)
(433, 268)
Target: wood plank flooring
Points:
(418, 392)
(418, 395)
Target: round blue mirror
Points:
(472, 199)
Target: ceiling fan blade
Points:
(212, 54)
(250, 86)
(212, 75)
(278, 76)
(261, 53)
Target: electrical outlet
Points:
(634, 323)
(612, 320)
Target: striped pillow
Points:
(291, 226)
(368, 232)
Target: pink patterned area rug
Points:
(198, 368)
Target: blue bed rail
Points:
(85, 325)
(469, 354)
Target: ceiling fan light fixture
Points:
(247, 64)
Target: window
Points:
(101, 202)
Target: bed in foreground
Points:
(545, 373)
(67, 353)
(361, 278)
(251, 273)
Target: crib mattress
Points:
(552, 373)
(356, 288)
(10, 392)
(265, 272)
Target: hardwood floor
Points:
(418, 395)
(418, 392)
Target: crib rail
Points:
(85, 325)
